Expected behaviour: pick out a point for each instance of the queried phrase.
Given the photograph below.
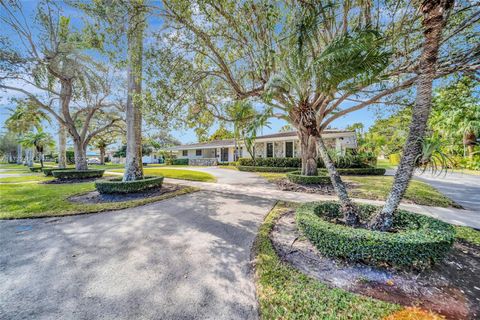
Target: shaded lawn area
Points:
(285, 293)
(378, 187)
(30, 200)
(176, 174)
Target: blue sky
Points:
(366, 116)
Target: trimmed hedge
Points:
(271, 162)
(296, 177)
(265, 169)
(48, 171)
(358, 171)
(35, 169)
(118, 186)
(180, 162)
(77, 174)
(417, 242)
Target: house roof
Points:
(276, 136)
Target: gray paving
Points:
(460, 187)
(183, 258)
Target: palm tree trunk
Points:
(308, 149)
(19, 154)
(133, 162)
(433, 22)
(62, 146)
(349, 210)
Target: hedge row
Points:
(265, 169)
(48, 171)
(77, 174)
(271, 162)
(296, 177)
(178, 162)
(118, 186)
(345, 161)
(417, 243)
(358, 171)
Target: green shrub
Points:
(233, 163)
(48, 171)
(118, 186)
(265, 169)
(271, 162)
(394, 159)
(35, 169)
(296, 177)
(417, 242)
(358, 171)
(77, 174)
(178, 162)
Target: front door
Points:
(224, 155)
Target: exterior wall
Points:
(338, 143)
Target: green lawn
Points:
(385, 163)
(468, 235)
(377, 188)
(173, 173)
(29, 178)
(285, 293)
(29, 200)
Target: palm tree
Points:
(24, 118)
(434, 15)
(314, 65)
(38, 140)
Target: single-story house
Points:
(278, 145)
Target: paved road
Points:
(183, 258)
(462, 188)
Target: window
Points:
(288, 149)
(185, 153)
(269, 150)
(198, 152)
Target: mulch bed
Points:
(451, 288)
(93, 197)
(327, 189)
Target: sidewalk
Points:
(461, 217)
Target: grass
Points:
(378, 187)
(285, 293)
(33, 200)
(176, 174)
(30, 178)
(467, 234)
(385, 163)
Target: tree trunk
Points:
(40, 155)
(308, 149)
(102, 155)
(62, 146)
(19, 154)
(80, 156)
(349, 210)
(133, 161)
(433, 22)
(29, 156)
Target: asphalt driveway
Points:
(183, 258)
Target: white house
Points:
(283, 144)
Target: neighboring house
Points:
(278, 145)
